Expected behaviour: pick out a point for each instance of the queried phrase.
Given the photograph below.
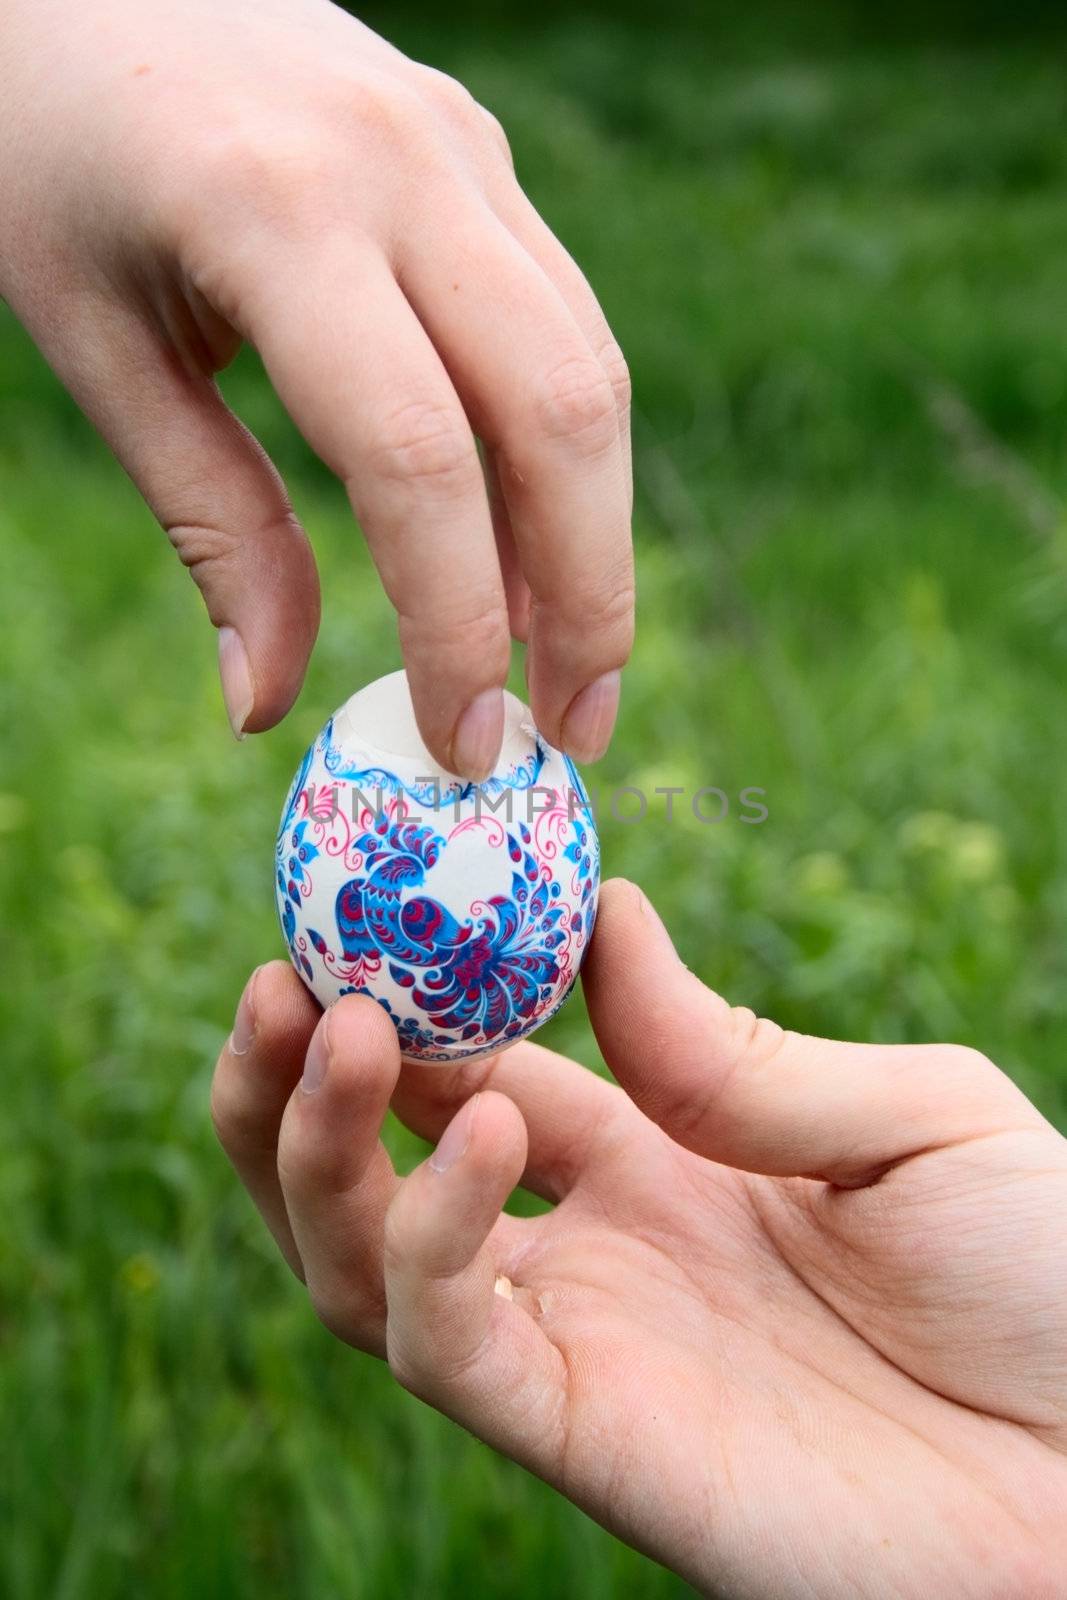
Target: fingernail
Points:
(477, 739)
(318, 1058)
(236, 675)
(588, 724)
(658, 928)
(648, 910)
(244, 1023)
(456, 1137)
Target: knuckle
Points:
(336, 1310)
(575, 402)
(411, 1362)
(301, 1171)
(206, 552)
(385, 108)
(753, 1044)
(237, 1128)
(450, 97)
(453, 101)
(221, 1119)
(424, 443)
(407, 1370)
(603, 610)
(396, 1237)
(755, 1039)
(291, 1171)
(200, 545)
(243, 162)
(285, 175)
(426, 1369)
(613, 612)
(964, 1062)
(463, 628)
(351, 1306)
(618, 373)
(683, 1116)
(495, 129)
(269, 169)
(408, 1241)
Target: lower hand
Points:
(796, 1323)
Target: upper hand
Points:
(175, 178)
(797, 1323)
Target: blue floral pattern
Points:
(453, 984)
(481, 977)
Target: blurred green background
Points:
(835, 251)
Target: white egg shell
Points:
(464, 909)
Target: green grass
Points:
(837, 263)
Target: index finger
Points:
(364, 384)
(572, 1116)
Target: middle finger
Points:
(536, 392)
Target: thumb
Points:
(747, 1093)
(218, 497)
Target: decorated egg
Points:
(464, 909)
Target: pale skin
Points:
(796, 1324)
(178, 176)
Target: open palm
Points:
(796, 1323)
